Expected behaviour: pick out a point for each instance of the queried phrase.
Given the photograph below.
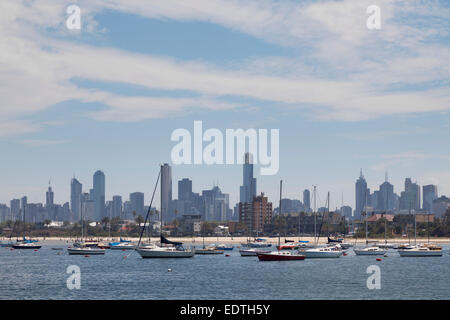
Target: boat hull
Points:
(321, 254)
(208, 251)
(22, 246)
(362, 252)
(83, 251)
(279, 257)
(413, 253)
(251, 252)
(156, 253)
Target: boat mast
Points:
(149, 209)
(315, 231)
(415, 229)
(279, 229)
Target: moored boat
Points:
(252, 252)
(85, 250)
(280, 256)
(421, 251)
(370, 251)
(324, 252)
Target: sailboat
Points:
(369, 250)
(321, 252)
(26, 243)
(280, 255)
(211, 249)
(84, 247)
(167, 248)
(421, 250)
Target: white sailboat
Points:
(421, 250)
(369, 250)
(334, 251)
(166, 248)
(83, 248)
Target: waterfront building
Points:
(256, 214)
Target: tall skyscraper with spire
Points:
(248, 188)
(361, 195)
(386, 200)
(49, 196)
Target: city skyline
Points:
(139, 196)
(379, 102)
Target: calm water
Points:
(42, 275)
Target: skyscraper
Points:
(137, 202)
(75, 198)
(99, 195)
(166, 192)
(49, 197)
(430, 193)
(184, 189)
(15, 209)
(361, 195)
(410, 198)
(386, 198)
(116, 206)
(248, 189)
(307, 200)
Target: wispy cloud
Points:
(349, 75)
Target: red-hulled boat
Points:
(280, 256)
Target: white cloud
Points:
(347, 79)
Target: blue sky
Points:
(108, 96)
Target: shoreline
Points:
(240, 240)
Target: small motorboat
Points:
(225, 247)
(85, 250)
(252, 252)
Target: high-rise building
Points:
(248, 189)
(256, 214)
(307, 200)
(99, 195)
(410, 198)
(75, 199)
(386, 200)
(49, 197)
(137, 203)
(361, 195)
(184, 189)
(430, 193)
(166, 193)
(15, 209)
(116, 206)
(216, 205)
(440, 206)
